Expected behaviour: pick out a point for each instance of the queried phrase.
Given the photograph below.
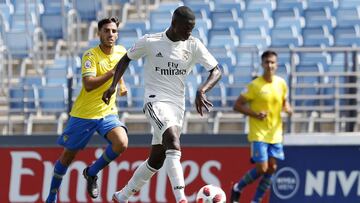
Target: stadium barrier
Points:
(317, 169)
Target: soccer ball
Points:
(211, 194)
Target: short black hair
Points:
(183, 12)
(104, 21)
(267, 54)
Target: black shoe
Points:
(235, 196)
(92, 186)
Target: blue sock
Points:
(103, 161)
(263, 186)
(248, 178)
(59, 172)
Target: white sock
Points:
(141, 176)
(175, 173)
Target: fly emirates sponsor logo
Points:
(172, 69)
(25, 164)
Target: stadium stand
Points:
(318, 41)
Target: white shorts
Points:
(163, 115)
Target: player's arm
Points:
(287, 107)
(201, 100)
(92, 82)
(241, 105)
(122, 87)
(120, 69)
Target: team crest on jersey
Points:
(65, 138)
(186, 55)
(87, 64)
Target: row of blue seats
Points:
(53, 99)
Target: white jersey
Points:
(167, 64)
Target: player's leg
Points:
(75, 136)
(275, 151)
(149, 167)
(116, 134)
(142, 174)
(172, 162)
(259, 157)
(60, 168)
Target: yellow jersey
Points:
(89, 105)
(268, 97)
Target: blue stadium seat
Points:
(35, 7)
(297, 22)
(168, 6)
(347, 36)
(53, 99)
(306, 84)
(200, 34)
(52, 25)
(16, 99)
(56, 6)
(238, 5)
(323, 58)
(131, 79)
(30, 81)
(22, 100)
(56, 75)
(6, 11)
(254, 37)
(19, 43)
(348, 16)
(222, 37)
(87, 9)
(268, 5)
(242, 78)
(52, 6)
(232, 93)
(319, 4)
(217, 96)
(189, 96)
(196, 5)
(159, 21)
(137, 97)
(23, 22)
(143, 25)
(284, 37)
(349, 4)
(257, 18)
(319, 17)
(286, 13)
(224, 19)
(244, 58)
(300, 5)
(127, 37)
(317, 36)
(194, 80)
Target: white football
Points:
(211, 194)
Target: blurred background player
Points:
(90, 114)
(170, 57)
(263, 100)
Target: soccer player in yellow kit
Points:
(89, 113)
(263, 101)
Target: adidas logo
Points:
(159, 54)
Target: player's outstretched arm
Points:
(201, 100)
(120, 69)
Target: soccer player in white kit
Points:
(169, 58)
